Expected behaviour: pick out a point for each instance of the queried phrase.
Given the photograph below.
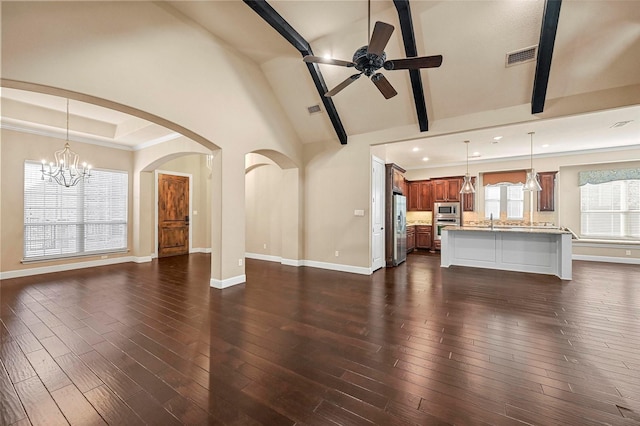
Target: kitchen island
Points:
(523, 249)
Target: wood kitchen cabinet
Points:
(446, 189)
(395, 175)
(469, 200)
(420, 196)
(423, 236)
(547, 194)
(411, 238)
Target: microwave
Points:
(446, 209)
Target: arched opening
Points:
(272, 208)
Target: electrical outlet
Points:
(264, 245)
(628, 252)
(337, 253)
(239, 262)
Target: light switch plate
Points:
(358, 212)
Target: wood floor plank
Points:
(11, 410)
(75, 407)
(38, 403)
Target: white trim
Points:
(606, 243)
(292, 262)
(161, 139)
(220, 284)
(141, 259)
(166, 172)
(338, 267)
(70, 266)
(608, 259)
(200, 250)
(266, 257)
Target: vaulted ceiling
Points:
(473, 94)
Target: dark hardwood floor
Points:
(417, 344)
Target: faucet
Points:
(491, 219)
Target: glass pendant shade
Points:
(532, 183)
(467, 185)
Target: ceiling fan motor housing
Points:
(368, 63)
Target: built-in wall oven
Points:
(445, 214)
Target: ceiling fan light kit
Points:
(369, 59)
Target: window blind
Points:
(610, 210)
(84, 219)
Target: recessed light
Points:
(621, 123)
(416, 149)
(475, 154)
(425, 158)
(497, 138)
(327, 56)
(546, 145)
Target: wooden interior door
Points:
(173, 215)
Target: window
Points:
(611, 210)
(88, 218)
(504, 198)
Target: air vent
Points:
(521, 56)
(314, 109)
(621, 123)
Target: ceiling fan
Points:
(370, 58)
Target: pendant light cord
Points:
(531, 158)
(67, 119)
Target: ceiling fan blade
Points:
(414, 63)
(342, 85)
(383, 85)
(380, 37)
(321, 60)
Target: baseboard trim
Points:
(141, 259)
(608, 259)
(228, 282)
(201, 250)
(292, 262)
(266, 257)
(70, 266)
(338, 267)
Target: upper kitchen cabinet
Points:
(446, 189)
(395, 175)
(547, 194)
(420, 196)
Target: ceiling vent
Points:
(621, 123)
(314, 109)
(521, 56)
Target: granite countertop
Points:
(418, 223)
(525, 229)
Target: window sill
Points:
(620, 244)
(103, 255)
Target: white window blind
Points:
(89, 218)
(611, 210)
(515, 202)
(492, 202)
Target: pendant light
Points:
(66, 171)
(467, 185)
(532, 183)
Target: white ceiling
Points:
(594, 79)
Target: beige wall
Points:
(263, 206)
(337, 182)
(18, 147)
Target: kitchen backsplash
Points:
(421, 218)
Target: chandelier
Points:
(65, 171)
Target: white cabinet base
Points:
(535, 252)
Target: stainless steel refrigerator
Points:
(399, 229)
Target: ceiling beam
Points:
(545, 54)
(409, 39)
(270, 16)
